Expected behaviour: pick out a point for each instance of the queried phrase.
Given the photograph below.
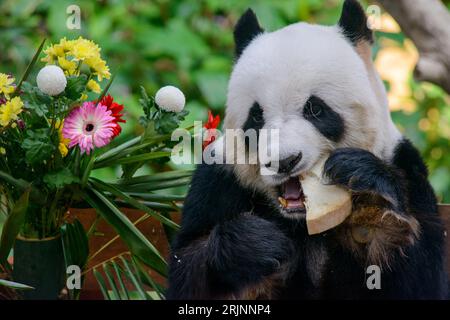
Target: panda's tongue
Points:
(291, 193)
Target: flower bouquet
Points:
(54, 133)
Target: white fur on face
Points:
(282, 69)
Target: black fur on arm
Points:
(420, 193)
(412, 269)
(236, 255)
(362, 172)
(214, 196)
(221, 250)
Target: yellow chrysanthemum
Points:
(52, 53)
(66, 45)
(63, 142)
(69, 67)
(98, 68)
(84, 49)
(6, 84)
(70, 53)
(58, 50)
(10, 110)
(93, 86)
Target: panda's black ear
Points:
(353, 22)
(246, 29)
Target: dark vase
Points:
(39, 263)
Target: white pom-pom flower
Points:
(51, 80)
(170, 98)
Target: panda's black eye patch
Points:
(255, 118)
(313, 107)
(326, 120)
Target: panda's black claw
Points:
(361, 171)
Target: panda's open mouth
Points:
(291, 197)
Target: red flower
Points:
(212, 123)
(115, 109)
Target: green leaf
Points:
(143, 157)
(105, 91)
(102, 284)
(75, 248)
(111, 157)
(76, 85)
(13, 224)
(147, 104)
(138, 244)
(111, 281)
(35, 100)
(38, 146)
(87, 170)
(153, 205)
(112, 152)
(167, 122)
(60, 178)
(15, 285)
(123, 288)
(134, 277)
(75, 244)
(145, 277)
(21, 184)
(133, 202)
(156, 196)
(161, 176)
(157, 185)
(133, 271)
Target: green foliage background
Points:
(188, 43)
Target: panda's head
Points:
(316, 85)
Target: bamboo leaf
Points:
(121, 283)
(13, 224)
(116, 192)
(136, 282)
(133, 159)
(156, 196)
(112, 152)
(159, 185)
(111, 281)
(111, 156)
(138, 244)
(15, 285)
(102, 284)
(146, 277)
(161, 176)
(149, 204)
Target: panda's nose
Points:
(287, 164)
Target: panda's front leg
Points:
(239, 259)
(362, 172)
(381, 225)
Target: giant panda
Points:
(316, 85)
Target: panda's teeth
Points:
(283, 202)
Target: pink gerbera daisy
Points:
(88, 126)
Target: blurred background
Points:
(189, 44)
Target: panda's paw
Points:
(362, 172)
(247, 249)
